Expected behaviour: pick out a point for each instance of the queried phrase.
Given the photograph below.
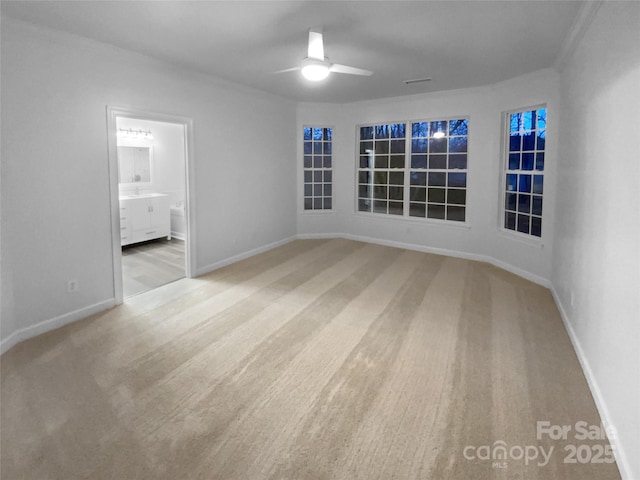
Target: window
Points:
(318, 181)
(381, 169)
(422, 175)
(524, 171)
(439, 169)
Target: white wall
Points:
(481, 237)
(596, 273)
(55, 182)
(169, 165)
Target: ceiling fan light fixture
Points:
(315, 72)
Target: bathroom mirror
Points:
(135, 165)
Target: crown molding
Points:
(576, 32)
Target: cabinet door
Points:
(160, 214)
(140, 214)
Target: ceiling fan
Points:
(316, 66)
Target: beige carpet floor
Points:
(321, 359)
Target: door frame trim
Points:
(113, 112)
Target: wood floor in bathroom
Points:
(148, 265)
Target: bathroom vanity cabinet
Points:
(144, 217)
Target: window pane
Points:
(510, 221)
(327, 190)
(397, 146)
(510, 201)
(366, 148)
(397, 130)
(418, 161)
(327, 148)
(457, 196)
(437, 145)
(317, 161)
(419, 129)
(417, 210)
(317, 190)
(515, 122)
(366, 133)
(380, 192)
(419, 146)
(436, 195)
(512, 181)
(364, 205)
(382, 147)
(536, 205)
(541, 140)
(459, 127)
(364, 191)
(328, 175)
(317, 134)
(437, 179)
(438, 162)
(418, 178)
(308, 148)
(525, 183)
(514, 161)
(455, 213)
(307, 161)
(327, 134)
(542, 118)
(308, 188)
(317, 147)
(382, 161)
(515, 141)
(435, 211)
(317, 176)
(327, 203)
(440, 126)
(457, 161)
(395, 208)
(536, 226)
(396, 193)
(326, 162)
(527, 161)
(397, 161)
(308, 203)
(457, 179)
(380, 178)
(366, 161)
(308, 176)
(382, 131)
(364, 177)
(528, 141)
(524, 203)
(540, 161)
(396, 178)
(418, 194)
(538, 180)
(458, 144)
(379, 206)
(523, 223)
(317, 204)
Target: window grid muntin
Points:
(317, 154)
(524, 170)
(438, 169)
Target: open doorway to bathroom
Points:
(149, 170)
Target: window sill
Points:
(313, 213)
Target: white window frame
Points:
(504, 163)
(407, 174)
(322, 211)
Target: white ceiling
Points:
(458, 43)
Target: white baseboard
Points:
(603, 410)
(437, 251)
(53, 323)
(178, 235)
(241, 256)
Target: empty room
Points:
(320, 240)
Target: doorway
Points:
(151, 200)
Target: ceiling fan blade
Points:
(292, 69)
(336, 67)
(316, 47)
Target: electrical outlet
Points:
(72, 286)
